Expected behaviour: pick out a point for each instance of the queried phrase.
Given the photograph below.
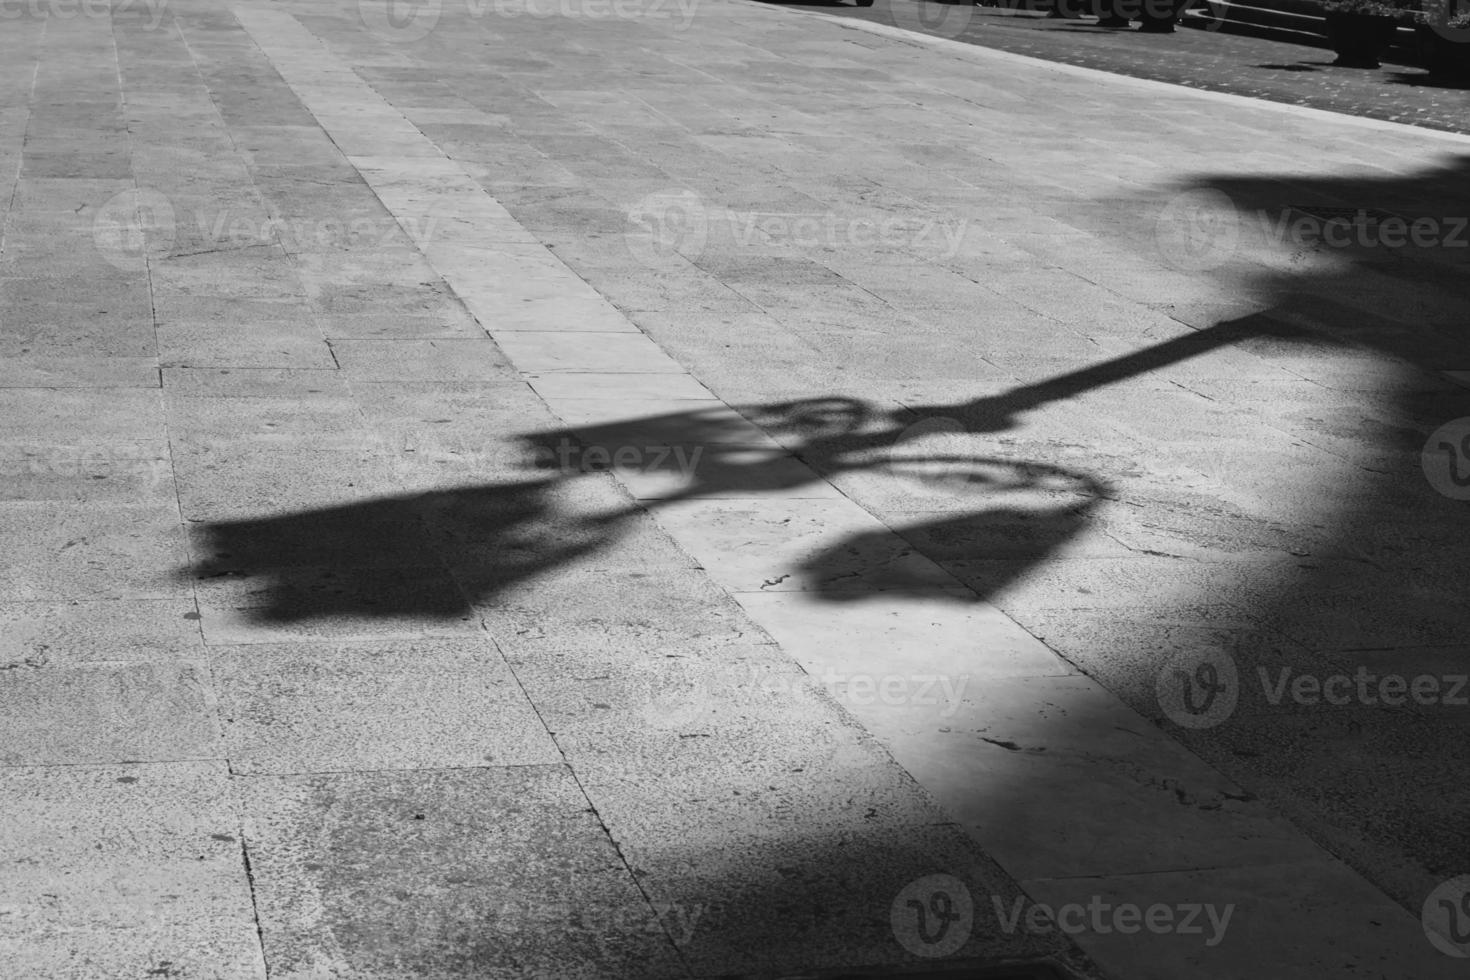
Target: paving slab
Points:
(1339, 929)
(114, 631)
(444, 360)
(301, 708)
(133, 868)
(471, 872)
(89, 550)
(108, 713)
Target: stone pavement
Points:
(664, 491)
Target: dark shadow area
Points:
(1377, 583)
(1425, 80)
(351, 560)
(337, 561)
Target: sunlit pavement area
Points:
(642, 489)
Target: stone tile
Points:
(107, 317)
(1003, 532)
(284, 383)
(258, 273)
(493, 408)
(1344, 774)
(1138, 801)
(1439, 667)
(485, 224)
(788, 898)
(661, 422)
(433, 300)
(437, 319)
(629, 387)
(231, 315)
(31, 371)
(1134, 645)
(69, 550)
(268, 146)
(463, 432)
(310, 422)
(653, 478)
(323, 273)
(259, 345)
(431, 704)
(791, 545)
(118, 423)
(1352, 928)
(942, 635)
(1166, 583)
(79, 196)
(232, 479)
(60, 245)
(421, 360)
(472, 872)
(332, 604)
(761, 772)
(581, 353)
(60, 161)
(107, 713)
(955, 473)
(612, 607)
(1325, 612)
(126, 869)
(1196, 524)
(40, 634)
(500, 310)
(524, 287)
(84, 475)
